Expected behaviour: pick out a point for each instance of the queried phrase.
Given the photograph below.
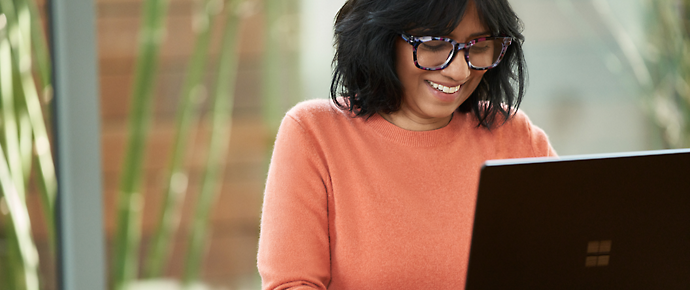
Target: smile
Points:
(442, 88)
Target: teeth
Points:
(442, 88)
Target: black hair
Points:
(364, 62)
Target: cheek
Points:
(475, 79)
(404, 64)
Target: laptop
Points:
(617, 221)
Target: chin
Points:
(440, 111)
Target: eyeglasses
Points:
(436, 53)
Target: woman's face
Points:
(423, 106)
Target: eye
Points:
(479, 48)
(435, 46)
(483, 46)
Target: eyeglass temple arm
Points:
(406, 37)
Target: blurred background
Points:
(192, 93)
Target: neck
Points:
(416, 124)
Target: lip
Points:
(444, 84)
(446, 98)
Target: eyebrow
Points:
(473, 35)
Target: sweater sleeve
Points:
(294, 251)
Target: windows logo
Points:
(598, 253)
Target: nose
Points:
(458, 70)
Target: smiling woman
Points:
(375, 189)
(369, 77)
(430, 95)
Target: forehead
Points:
(471, 24)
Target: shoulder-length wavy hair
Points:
(364, 63)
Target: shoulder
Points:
(519, 137)
(318, 119)
(518, 121)
(315, 110)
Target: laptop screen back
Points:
(598, 222)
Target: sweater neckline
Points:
(443, 135)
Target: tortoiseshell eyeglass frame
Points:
(415, 41)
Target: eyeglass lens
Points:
(435, 53)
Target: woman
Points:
(376, 189)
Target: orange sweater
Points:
(352, 203)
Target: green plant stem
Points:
(25, 142)
(46, 168)
(13, 263)
(130, 201)
(10, 267)
(23, 122)
(40, 46)
(271, 90)
(20, 136)
(221, 117)
(187, 118)
(7, 96)
(19, 217)
(46, 176)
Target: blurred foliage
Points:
(280, 69)
(666, 53)
(659, 62)
(26, 156)
(25, 153)
(125, 259)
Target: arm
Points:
(294, 248)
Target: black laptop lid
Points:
(597, 222)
